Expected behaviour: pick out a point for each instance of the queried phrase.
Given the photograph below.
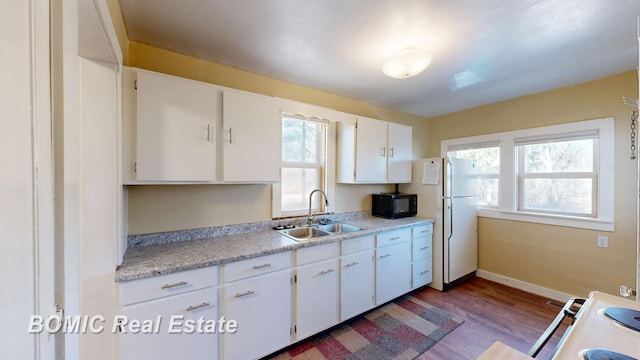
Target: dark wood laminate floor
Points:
(492, 312)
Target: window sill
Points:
(557, 220)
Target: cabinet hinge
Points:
(135, 167)
(295, 279)
(135, 84)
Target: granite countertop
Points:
(167, 257)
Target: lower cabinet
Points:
(421, 256)
(274, 300)
(393, 271)
(317, 298)
(261, 306)
(168, 327)
(356, 284)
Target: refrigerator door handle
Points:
(450, 217)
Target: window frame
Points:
(330, 117)
(508, 208)
(522, 175)
(320, 165)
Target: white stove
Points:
(595, 330)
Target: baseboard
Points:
(518, 284)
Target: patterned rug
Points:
(401, 329)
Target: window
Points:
(559, 175)
(303, 164)
(487, 158)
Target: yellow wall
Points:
(118, 25)
(560, 258)
(165, 208)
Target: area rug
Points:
(401, 329)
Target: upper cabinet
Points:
(175, 129)
(178, 130)
(252, 137)
(374, 151)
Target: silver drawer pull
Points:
(424, 248)
(424, 231)
(261, 266)
(324, 272)
(245, 294)
(195, 307)
(395, 238)
(351, 264)
(169, 286)
(424, 272)
(384, 256)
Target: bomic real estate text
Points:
(96, 324)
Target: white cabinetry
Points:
(421, 255)
(399, 153)
(175, 128)
(252, 137)
(181, 297)
(374, 151)
(357, 273)
(393, 264)
(257, 294)
(317, 286)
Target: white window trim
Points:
(507, 208)
(331, 117)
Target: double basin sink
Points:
(308, 233)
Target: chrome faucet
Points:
(326, 203)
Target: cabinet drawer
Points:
(170, 284)
(260, 265)
(422, 273)
(392, 237)
(421, 249)
(358, 244)
(189, 307)
(423, 231)
(317, 253)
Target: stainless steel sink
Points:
(303, 233)
(308, 233)
(337, 228)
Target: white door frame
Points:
(81, 28)
(26, 182)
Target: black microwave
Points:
(394, 205)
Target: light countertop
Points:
(163, 258)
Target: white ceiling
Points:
(484, 50)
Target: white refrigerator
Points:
(446, 189)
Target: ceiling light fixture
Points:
(407, 63)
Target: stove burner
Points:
(627, 317)
(602, 354)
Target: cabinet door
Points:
(252, 137)
(164, 345)
(393, 271)
(175, 129)
(357, 284)
(316, 297)
(399, 153)
(261, 306)
(371, 150)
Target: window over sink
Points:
(304, 162)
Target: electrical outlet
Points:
(603, 241)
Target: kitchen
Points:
(153, 208)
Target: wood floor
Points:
(492, 312)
